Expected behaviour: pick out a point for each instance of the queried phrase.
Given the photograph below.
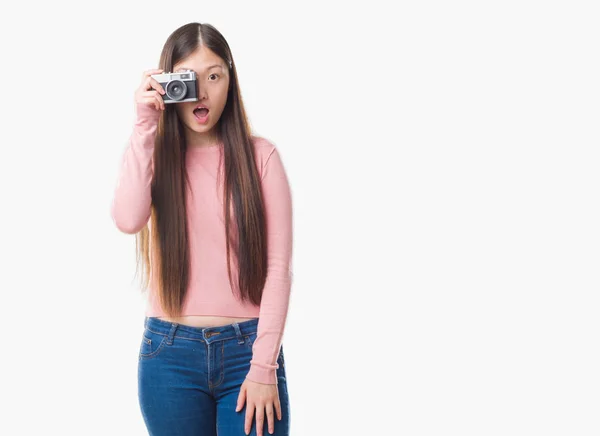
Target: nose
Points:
(200, 90)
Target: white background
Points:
(443, 159)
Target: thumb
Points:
(241, 399)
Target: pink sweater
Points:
(210, 292)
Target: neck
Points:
(201, 139)
(195, 139)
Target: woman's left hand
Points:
(262, 398)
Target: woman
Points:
(218, 272)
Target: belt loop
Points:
(238, 333)
(171, 333)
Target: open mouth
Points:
(201, 113)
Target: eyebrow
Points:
(212, 66)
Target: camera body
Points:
(179, 87)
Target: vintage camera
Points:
(179, 87)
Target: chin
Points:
(199, 128)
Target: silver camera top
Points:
(180, 75)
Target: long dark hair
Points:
(164, 249)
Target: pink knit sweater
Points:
(210, 292)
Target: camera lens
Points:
(176, 90)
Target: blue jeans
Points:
(189, 379)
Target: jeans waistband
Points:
(208, 334)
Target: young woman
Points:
(211, 209)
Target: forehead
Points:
(200, 60)
(188, 66)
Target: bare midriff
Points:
(204, 320)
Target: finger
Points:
(249, 416)
(149, 101)
(153, 83)
(149, 72)
(260, 419)
(240, 400)
(154, 96)
(150, 84)
(278, 408)
(270, 417)
(161, 102)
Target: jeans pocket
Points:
(152, 344)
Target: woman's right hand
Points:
(149, 94)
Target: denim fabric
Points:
(189, 379)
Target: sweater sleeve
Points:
(276, 292)
(130, 209)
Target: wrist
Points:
(263, 375)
